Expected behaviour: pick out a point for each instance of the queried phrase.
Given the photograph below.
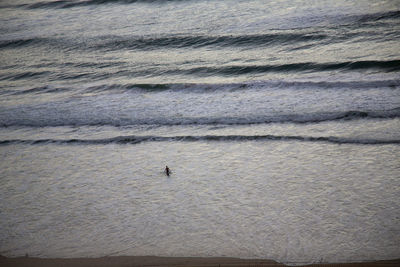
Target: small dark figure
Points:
(167, 170)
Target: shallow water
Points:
(279, 121)
(289, 201)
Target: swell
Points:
(40, 90)
(70, 4)
(280, 39)
(114, 43)
(198, 41)
(19, 42)
(207, 88)
(388, 66)
(395, 14)
(225, 71)
(57, 119)
(23, 75)
(207, 138)
(392, 14)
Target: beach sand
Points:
(134, 261)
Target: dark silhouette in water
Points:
(167, 171)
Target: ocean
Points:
(279, 120)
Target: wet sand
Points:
(134, 261)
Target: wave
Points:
(40, 90)
(170, 41)
(209, 87)
(198, 41)
(18, 42)
(367, 19)
(379, 16)
(110, 70)
(23, 75)
(79, 70)
(301, 40)
(57, 118)
(207, 138)
(388, 66)
(70, 4)
(395, 14)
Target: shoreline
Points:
(133, 261)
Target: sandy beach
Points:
(168, 261)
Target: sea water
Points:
(278, 119)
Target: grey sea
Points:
(280, 122)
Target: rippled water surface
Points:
(279, 121)
(291, 201)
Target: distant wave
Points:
(208, 138)
(185, 41)
(379, 16)
(54, 118)
(233, 70)
(18, 42)
(23, 75)
(197, 41)
(39, 90)
(72, 3)
(207, 88)
(169, 41)
(278, 84)
(388, 66)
